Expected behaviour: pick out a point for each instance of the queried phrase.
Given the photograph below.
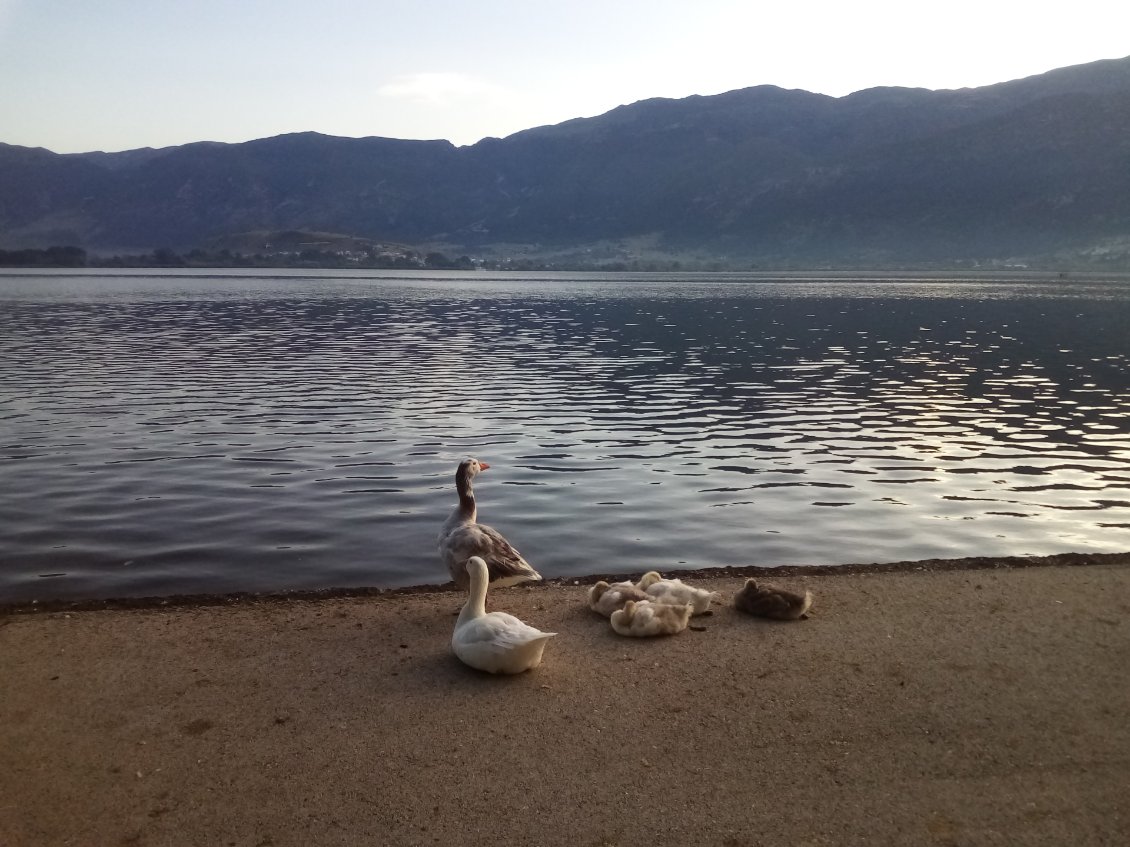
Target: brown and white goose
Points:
(463, 537)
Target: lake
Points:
(213, 431)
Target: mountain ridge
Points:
(1037, 168)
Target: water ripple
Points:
(181, 432)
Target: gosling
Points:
(606, 599)
(677, 593)
(644, 619)
(769, 601)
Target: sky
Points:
(84, 75)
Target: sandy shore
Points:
(918, 705)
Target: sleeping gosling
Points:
(677, 593)
(606, 599)
(643, 619)
(769, 601)
(648, 579)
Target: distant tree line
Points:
(52, 257)
(165, 257)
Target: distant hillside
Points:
(1031, 170)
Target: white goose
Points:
(495, 642)
(463, 537)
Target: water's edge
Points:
(248, 598)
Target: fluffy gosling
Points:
(769, 601)
(677, 593)
(605, 599)
(644, 619)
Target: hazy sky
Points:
(80, 75)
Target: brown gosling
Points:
(769, 601)
(644, 619)
(605, 599)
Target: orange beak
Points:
(483, 465)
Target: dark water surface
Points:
(171, 432)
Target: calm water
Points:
(179, 432)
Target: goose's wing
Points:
(502, 630)
(460, 544)
(504, 562)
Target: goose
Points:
(643, 619)
(606, 599)
(769, 601)
(462, 537)
(677, 592)
(495, 642)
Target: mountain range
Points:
(1035, 170)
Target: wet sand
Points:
(977, 702)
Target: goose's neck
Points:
(476, 605)
(467, 507)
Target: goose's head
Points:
(470, 468)
(649, 578)
(629, 610)
(597, 591)
(475, 563)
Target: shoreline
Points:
(953, 702)
(28, 607)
